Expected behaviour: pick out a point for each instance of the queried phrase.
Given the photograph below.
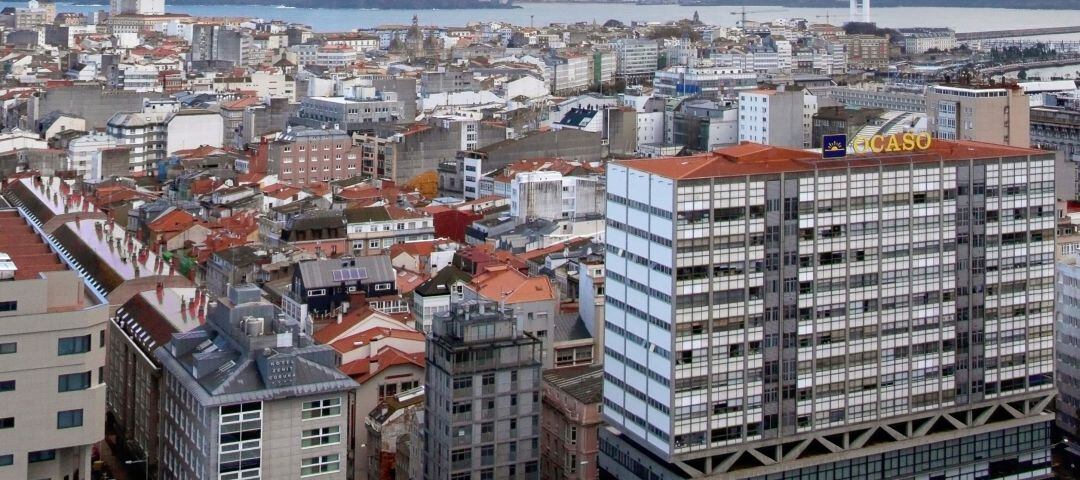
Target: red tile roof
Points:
(174, 221)
(362, 370)
(26, 248)
(756, 159)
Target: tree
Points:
(427, 183)
(1022, 74)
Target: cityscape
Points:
(540, 240)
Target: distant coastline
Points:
(372, 4)
(1012, 4)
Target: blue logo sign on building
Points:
(834, 146)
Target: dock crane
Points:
(826, 16)
(744, 11)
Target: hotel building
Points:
(772, 314)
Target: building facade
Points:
(482, 396)
(772, 117)
(636, 59)
(571, 421)
(980, 113)
(1067, 344)
(819, 316)
(52, 358)
(249, 395)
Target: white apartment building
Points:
(771, 311)
(636, 58)
(773, 117)
(550, 195)
(161, 129)
(52, 357)
(85, 151)
(569, 73)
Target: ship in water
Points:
(373, 4)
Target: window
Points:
(8, 422)
(41, 456)
(73, 345)
(6, 348)
(6, 460)
(7, 385)
(9, 306)
(74, 381)
(327, 407)
(319, 465)
(382, 286)
(373, 244)
(318, 437)
(316, 292)
(69, 418)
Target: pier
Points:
(1021, 32)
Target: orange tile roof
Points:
(407, 281)
(331, 332)
(362, 371)
(367, 336)
(27, 250)
(507, 285)
(756, 159)
(558, 247)
(174, 221)
(418, 249)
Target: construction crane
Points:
(744, 11)
(826, 16)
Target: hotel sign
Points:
(907, 142)
(836, 146)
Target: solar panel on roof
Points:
(349, 274)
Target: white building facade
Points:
(758, 299)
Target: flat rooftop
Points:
(756, 159)
(28, 251)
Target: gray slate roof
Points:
(319, 273)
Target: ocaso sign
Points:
(907, 142)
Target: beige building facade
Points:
(52, 397)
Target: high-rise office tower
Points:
(883, 315)
(52, 356)
(482, 396)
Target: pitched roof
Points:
(320, 273)
(584, 383)
(362, 370)
(440, 283)
(173, 221)
(507, 285)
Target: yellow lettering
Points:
(858, 145)
(923, 141)
(894, 144)
(877, 144)
(909, 141)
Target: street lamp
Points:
(146, 466)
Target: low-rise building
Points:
(373, 230)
